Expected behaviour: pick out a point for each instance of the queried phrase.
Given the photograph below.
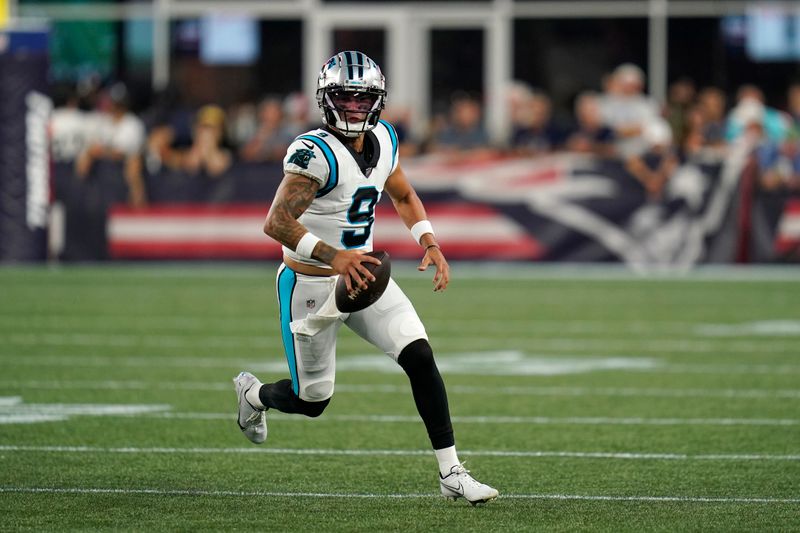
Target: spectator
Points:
(160, 148)
(206, 155)
(654, 167)
(680, 99)
(793, 105)
(271, 138)
(536, 133)
(67, 126)
(712, 104)
(627, 110)
(591, 135)
(779, 164)
(116, 135)
(296, 112)
(399, 118)
(694, 139)
(518, 94)
(170, 111)
(779, 160)
(241, 124)
(464, 133)
(750, 106)
(169, 123)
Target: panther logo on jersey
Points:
(302, 157)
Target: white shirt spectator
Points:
(622, 112)
(627, 109)
(125, 134)
(68, 133)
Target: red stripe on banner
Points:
(792, 207)
(546, 175)
(784, 245)
(519, 249)
(508, 246)
(786, 242)
(190, 250)
(249, 210)
(191, 210)
(446, 210)
(522, 248)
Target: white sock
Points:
(252, 397)
(447, 458)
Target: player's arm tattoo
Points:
(294, 196)
(292, 199)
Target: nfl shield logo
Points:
(311, 304)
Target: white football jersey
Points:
(343, 212)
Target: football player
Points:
(323, 215)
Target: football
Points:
(358, 298)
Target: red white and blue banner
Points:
(558, 208)
(234, 231)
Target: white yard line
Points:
(402, 453)
(720, 346)
(60, 323)
(540, 420)
(151, 361)
(221, 274)
(390, 496)
(258, 326)
(224, 386)
(255, 363)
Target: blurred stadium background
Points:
(545, 137)
(653, 133)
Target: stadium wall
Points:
(557, 208)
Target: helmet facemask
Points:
(351, 93)
(351, 113)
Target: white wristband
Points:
(306, 244)
(421, 228)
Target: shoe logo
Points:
(310, 146)
(459, 489)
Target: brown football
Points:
(359, 298)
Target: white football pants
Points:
(390, 324)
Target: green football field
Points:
(592, 400)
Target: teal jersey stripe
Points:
(393, 136)
(287, 279)
(333, 164)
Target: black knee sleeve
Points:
(417, 358)
(280, 396)
(417, 361)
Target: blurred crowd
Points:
(93, 122)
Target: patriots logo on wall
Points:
(584, 209)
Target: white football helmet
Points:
(351, 93)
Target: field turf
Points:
(597, 402)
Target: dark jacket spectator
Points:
(536, 133)
(591, 135)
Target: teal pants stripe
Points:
(287, 279)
